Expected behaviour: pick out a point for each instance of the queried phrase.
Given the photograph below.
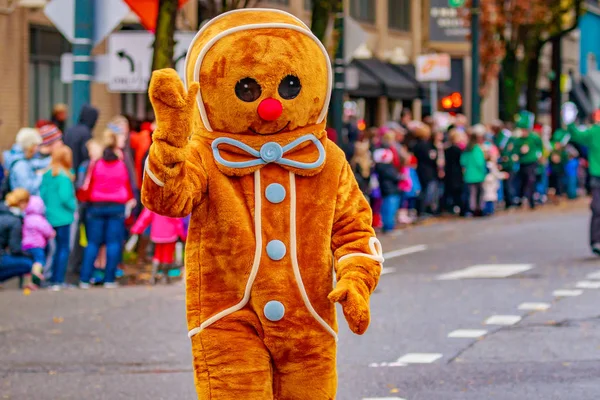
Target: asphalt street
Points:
(466, 309)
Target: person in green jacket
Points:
(505, 142)
(472, 161)
(58, 192)
(558, 159)
(591, 139)
(529, 147)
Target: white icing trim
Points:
(255, 265)
(230, 31)
(151, 174)
(376, 252)
(294, 255)
(217, 18)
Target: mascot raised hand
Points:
(275, 208)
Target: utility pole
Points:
(339, 69)
(475, 99)
(555, 92)
(83, 66)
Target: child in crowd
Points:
(164, 233)
(411, 196)
(361, 164)
(389, 178)
(491, 184)
(58, 193)
(36, 230)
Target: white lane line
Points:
(385, 271)
(567, 293)
(467, 333)
(587, 285)
(503, 320)
(385, 364)
(534, 306)
(594, 275)
(383, 398)
(486, 271)
(419, 358)
(405, 251)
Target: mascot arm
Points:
(357, 253)
(174, 179)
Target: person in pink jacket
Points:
(164, 233)
(37, 231)
(108, 192)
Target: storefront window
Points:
(399, 14)
(363, 10)
(46, 46)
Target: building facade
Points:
(397, 31)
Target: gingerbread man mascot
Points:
(275, 208)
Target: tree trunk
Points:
(510, 85)
(164, 38)
(320, 18)
(533, 74)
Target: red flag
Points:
(147, 11)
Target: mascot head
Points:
(261, 72)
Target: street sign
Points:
(101, 71)
(108, 14)
(446, 24)
(130, 59)
(354, 37)
(147, 11)
(433, 68)
(456, 3)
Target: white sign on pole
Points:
(108, 14)
(101, 72)
(433, 68)
(354, 37)
(130, 59)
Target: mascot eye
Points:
(289, 88)
(248, 90)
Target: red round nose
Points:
(270, 109)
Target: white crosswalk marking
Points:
(594, 275)
(405, 251)
(419, 358)
(467, 333)
(534, 306)
(487, 271)
(502, 320)
(587, 285)
(567, 293)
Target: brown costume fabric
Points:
(244, 355)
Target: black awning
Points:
(396, 85)
(409, 71)
(368, 86)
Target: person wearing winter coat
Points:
(58, 193)
(77, 136)
(474, 169)
(20, 163)
(361, 164)
(427, 168)
(453, 173)
(37, 232)
(108, 191)
(529, 147)
(389, 178)
(14, 261)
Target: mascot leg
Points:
(307, 370)
(231, 362)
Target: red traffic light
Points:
(456, 100)
(446, 103)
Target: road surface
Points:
(525, 324)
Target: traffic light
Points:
(453, 102)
